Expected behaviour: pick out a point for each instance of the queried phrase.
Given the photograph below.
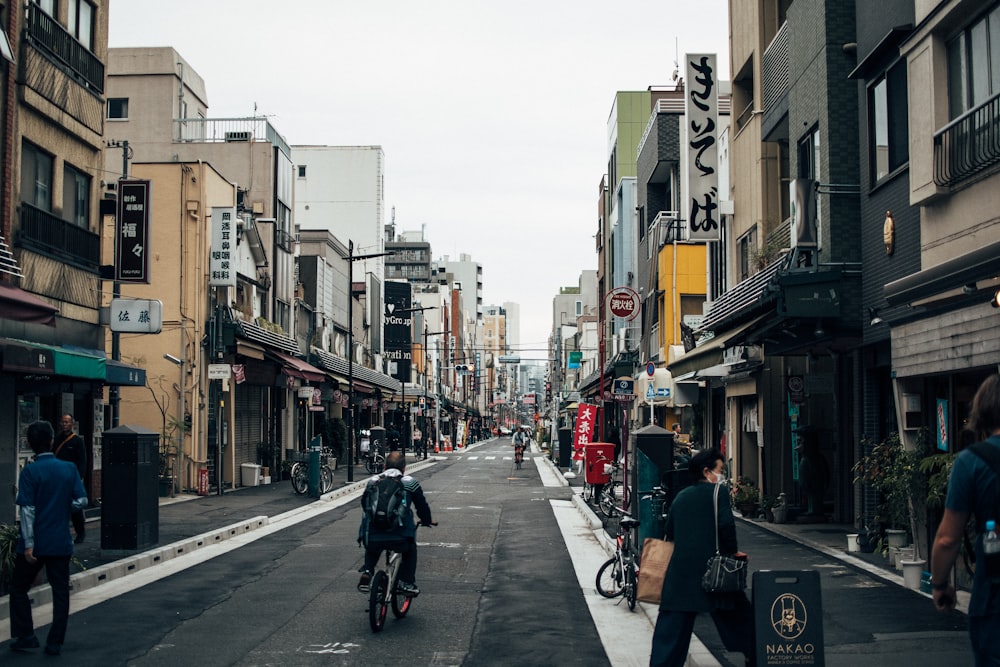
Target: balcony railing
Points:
(774, 68)
(229, 130)
(50, 37)
(53, 236)
(284, 240)
(968, 145)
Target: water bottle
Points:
(991, 551)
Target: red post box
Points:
(202, 481)
(595, 456)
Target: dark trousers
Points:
(79, 523)
(672, 634)
(985, 642)
(57, 571)
(407, 547)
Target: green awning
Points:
(76, 363)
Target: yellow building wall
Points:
(686, 278)
(183, 195)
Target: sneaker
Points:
(53, 649)
(366, 578)
(409, 590)
(24, 643)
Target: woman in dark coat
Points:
(691, 528)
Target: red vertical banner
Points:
(586, 416)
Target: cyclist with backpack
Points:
(387, 521)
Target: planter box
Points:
(895, 537)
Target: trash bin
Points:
(130, 511)
(250, 473)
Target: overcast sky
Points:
(492, 114)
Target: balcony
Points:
(774, 69)
(228, 130)
(43, 232)
(284, 240)
(969, 145)
(49, 37)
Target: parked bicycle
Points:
(300, 474)
(374, 460)
(592, 492)
(382, 592)
(614, 494)
(619, 575)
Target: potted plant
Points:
(8, 540)
(896, 474)
(745, 496)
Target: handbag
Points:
(723, 574)
(652, 568)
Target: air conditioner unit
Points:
(241, 135)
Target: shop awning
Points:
(76, 363)
(26, 358)
(124, 375)
(709, 354)
(21, 306)
(361, 374)
(297, 368)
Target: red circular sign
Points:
(623, 302)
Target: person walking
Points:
(974, 490)
(690, 525)
(48, 491)
(71, 447)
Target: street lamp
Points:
(437, 397)
(351, 258)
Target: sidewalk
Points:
(827, 538)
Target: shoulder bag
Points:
(723, 574)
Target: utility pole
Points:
(114, 391)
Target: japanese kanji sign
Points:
(586, 418)
(132, 232)
(137, 315)
(701, 109)
(221, 261)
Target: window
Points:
(888, 141)
(48, 6)
(302, 171)
(974, 64)
(809, 155)
(76, 196)
(36, 177)
(579, 308)
(118, 108)
(747, 251)
(81, 22)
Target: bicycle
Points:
(589, 493)
(382, 593)
(374, 461)
(518, 456)
(614, 495)
(300, 475)
(619, 575)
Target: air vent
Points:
(244, 135)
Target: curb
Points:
(81, 581)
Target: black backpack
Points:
(386, 502)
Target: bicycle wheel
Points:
(400, 604)
(610, 582)
(607, 502)
(300, 478)
(377, 606)
(325, 479)
(375, 464)
(588, 492)
(631, 584)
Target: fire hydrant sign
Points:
(623, 302)
(586, 418)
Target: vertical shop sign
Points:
(701, 112)
(221, 267)
(132, 232)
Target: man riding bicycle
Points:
(402, 538)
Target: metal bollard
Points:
(314, 450)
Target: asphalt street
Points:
(506, 578)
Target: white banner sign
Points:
(221, 262)
(702, 109)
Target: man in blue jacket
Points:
(401, 538)
(48, 491)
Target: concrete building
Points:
(52, 110)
